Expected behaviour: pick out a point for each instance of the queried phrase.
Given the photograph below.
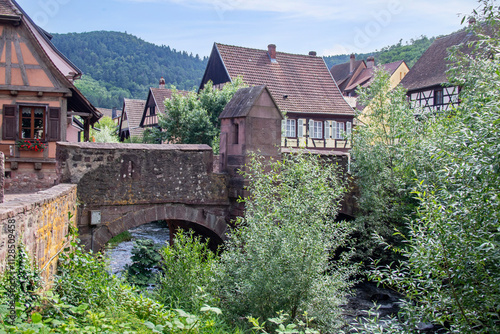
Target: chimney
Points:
(162, 82)
(352, 61)
(312, 53)
(370, 62)
(271, 51)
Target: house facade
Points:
(316, 115)
(38, 101)
(130, 119)
(358, 73)
(428, 87)
(155, 104)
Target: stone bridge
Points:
(121, 186)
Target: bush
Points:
(279, 256)
(145, 259)
(449, 269)
(187, 273)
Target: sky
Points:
(328, 27)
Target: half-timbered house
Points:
(129, 124)
(155, 104)
(358, 73)
(317, 116)
(428, 87)
(37, 99)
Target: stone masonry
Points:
(130, 184)
(41, 221)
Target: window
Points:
(300, 128)
(31, 122)
(236, 133)
(348, 130)
(315, 129)
(290, 128)
(438, 97)
(339, 133)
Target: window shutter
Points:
(53, 124)
(283, 128)
(300, 128)
(327, 130)
(349, 128)
(9, 128)
(334, 130)
(311, 128)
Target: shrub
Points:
(279, 256)
(187, 273)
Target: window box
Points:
(31, 145)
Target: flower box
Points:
(31, 145)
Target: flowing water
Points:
(119, 255)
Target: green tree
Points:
(279, 256)
(384, 164)
(449, 268)
(105, 131)
(194, 118)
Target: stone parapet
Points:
(41, 221)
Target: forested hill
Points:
(410, 52)
(118, 65)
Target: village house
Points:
(130, 119)
(317, 116)
(38, 101)
(428, 87)
(155, 104)
(358, 73)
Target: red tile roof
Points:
(298, 83)
(365, 77)
(161, 94)
(342, 72)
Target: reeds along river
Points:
(119, 255)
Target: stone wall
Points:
(29, 176)
(121, 186)
(123, 174)
(41, 221)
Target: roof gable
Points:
(430, 69)
(243, 100)
(132, 113)
(299, 83)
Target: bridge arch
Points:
(211, 222)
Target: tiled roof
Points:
(7, 9)
(298, 83)
(365, 77)
(161, 94)
(134, 110)
(430, 69)
(342, 72)
(243, 101)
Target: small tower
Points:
(250, 122)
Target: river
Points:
(119, 255)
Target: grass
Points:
(124, 236)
